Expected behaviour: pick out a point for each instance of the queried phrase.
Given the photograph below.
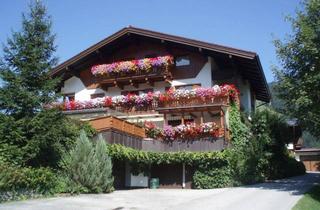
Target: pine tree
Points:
(29, 134)
(28, 57)
(88, 167)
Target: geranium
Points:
(146, 99)
(145, 65)
(168, 132)
(190, 131)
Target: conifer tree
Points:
(29, 134)
(28, 58)
(88, 167)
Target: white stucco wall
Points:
(203, 77)
(245, 95)
(75, 85)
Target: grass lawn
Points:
(310, 200)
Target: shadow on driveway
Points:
(296, 185)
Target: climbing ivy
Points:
(121, 153)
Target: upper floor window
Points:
(69, 96)
(182, 61)
(97, 95)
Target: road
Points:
(279, 195)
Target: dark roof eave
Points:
(157, 35)
(170, 38)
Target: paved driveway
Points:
(282, 194)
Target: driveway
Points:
(282, 194)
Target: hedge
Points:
(20, 183)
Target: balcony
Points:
(134, 72)
(134, 78)
(201, 99)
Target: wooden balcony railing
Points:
(171, 104)
(106, 123)
(139, 76)
(195, 101)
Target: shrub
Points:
(208, 176)
(294, 168)
(18, 183)
(88, 167)
(40, 140)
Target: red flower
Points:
(108, 101)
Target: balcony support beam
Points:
(182, 118)
(164, 120)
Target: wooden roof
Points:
(249, 61)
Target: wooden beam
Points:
(164, 120)
(182, 118)
(201, 118)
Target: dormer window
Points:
(182, 61)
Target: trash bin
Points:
(154, 183)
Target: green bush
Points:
(294, 168)
(88, 167)
(18, 183)
(208, 176)
(40, 140)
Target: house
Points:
(138, 75)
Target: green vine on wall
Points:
(121, 153)
(212, 169)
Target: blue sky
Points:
(245, 24)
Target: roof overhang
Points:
(252, 67)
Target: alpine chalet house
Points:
(158, 92)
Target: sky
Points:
(246, 24)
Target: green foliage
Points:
(24, 68)
(278, 133)
(37, 141)
(88, 167)
(18, 183)
(212, 168)
(122, 153)
(30, 135)
(310, 200)
(246, 157)
(292, 167)
(309, 140)
(298, 79)
(208, 176)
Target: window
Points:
(97, 95)
(182, 61)
(69, 96)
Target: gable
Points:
(131, 41)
